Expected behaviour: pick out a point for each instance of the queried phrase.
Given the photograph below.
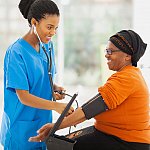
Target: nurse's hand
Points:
(42, 133)
(59, 107)
(58, 92)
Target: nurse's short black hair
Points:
(37, 9)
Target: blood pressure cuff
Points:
(94, 106)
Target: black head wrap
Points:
(131, 43)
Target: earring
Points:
(32, 28)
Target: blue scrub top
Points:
(25, 69)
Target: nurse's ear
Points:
(34, 22)
(33, 25)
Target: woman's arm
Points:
(75, 118)
(33, 101)
(93, 107)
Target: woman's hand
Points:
(59, 107)
(42, 133)
(59, 96)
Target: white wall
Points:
(141, 24)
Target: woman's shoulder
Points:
(16, 46)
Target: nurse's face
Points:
(47, 27)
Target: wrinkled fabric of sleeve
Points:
(117, 88)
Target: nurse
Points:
(27, 90)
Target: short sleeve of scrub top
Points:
(16, 71)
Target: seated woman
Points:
(121, 107)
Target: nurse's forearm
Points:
(33, 101)
(75, 118)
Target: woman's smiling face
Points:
(46, 27)
(118, 59)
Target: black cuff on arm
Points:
(94, 106)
